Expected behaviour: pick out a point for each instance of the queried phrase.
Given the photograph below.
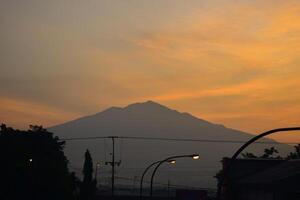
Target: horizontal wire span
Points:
(174, 139)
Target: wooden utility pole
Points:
(113, 163)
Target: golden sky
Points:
(232, 62)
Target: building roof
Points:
(242, 168)
(274, 174)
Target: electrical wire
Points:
(178, 140)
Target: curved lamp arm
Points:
(142, 178)
(163, 161)
(244, 146)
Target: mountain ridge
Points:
(140, 106)
(151, 119)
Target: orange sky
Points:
(230, 62)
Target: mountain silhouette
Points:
(150, 119)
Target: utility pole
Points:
(113, 163)
(113, 168)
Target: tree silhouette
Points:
(269, 153)
(33, 165)
(248, 155)
(88, 185)
(296, 154)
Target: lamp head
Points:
(195, 156)
(172, 161)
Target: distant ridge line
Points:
(173, 139)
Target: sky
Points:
(231, 62)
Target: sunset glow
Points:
(234, 63)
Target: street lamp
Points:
(193, 156)
(30, 161)
(172, 161)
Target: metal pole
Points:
(142, 178)
(236, 154)
(96, 172)
(168, 188)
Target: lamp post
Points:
(96, 172)
(144, 173)
(244, 146)
(32, 178)
(194, 156)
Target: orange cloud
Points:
(236, 35)
(21, 114)
(232, 62)
(244, 88)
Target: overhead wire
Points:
(178, 140)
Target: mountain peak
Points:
(146, 105)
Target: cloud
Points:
(226, 61)
(19, 112)
(239, 36)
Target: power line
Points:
(85, 138)
(192, 140)
(177, 140)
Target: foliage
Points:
(33, 165)
(295, 154)
(88, 185)
(269, 153)
(248, 155)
